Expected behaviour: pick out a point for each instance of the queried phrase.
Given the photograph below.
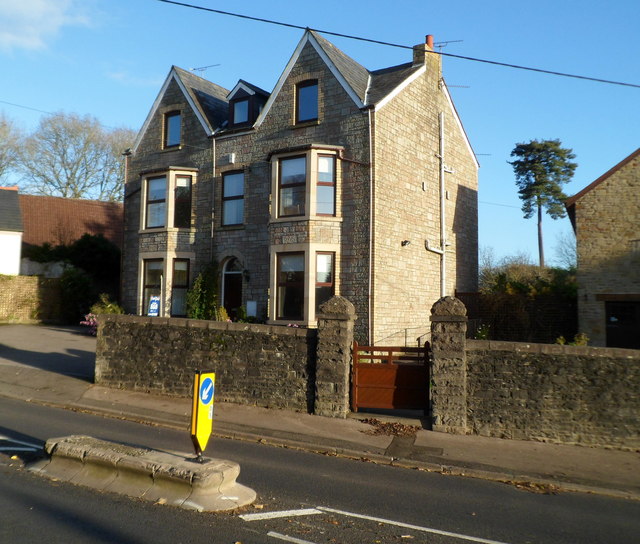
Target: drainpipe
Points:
(443, 237)
(213, 190)
(371, 227)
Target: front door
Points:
(232, 287)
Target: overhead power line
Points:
(401, 46)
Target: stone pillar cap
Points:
(337, 308)
(448, 308)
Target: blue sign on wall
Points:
(154, 306)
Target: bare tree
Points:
(10, 138)
(74, 157)
(566, 250)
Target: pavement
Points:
(53, 366)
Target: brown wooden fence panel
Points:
(390, 377)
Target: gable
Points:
(207, 101)
(351, 76)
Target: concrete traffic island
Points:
(152, 475)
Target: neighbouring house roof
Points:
(570, 203)
(207, 100)
(56, 220)
(384, 81)
(10, 216)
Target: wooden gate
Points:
(390, 377)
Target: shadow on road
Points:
(56, 349)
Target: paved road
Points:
(398, 505)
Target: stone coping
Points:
(553, 349)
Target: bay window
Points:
(167, 199)
(290, 286)
(326, 188)
(156, 202)
(292, 186)
(152, 278)
(179, 286)
(324, 278)
(182, 202)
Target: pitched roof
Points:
(384, 81)
(211, 99)
(356, 75)
(207, 100)
(10, 216)
(59, 220)
(571, 201)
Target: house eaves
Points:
(347, 72)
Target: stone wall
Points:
(29, 299)
(567, 394)
(564, 394)
(272, 366)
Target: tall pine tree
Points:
(541, 169)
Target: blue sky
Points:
(108, 58)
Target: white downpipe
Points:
(443, 235)
(371, 226)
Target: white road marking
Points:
(409, 526)
(280, 514)
(288, 538)
(30, 446)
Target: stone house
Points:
(340, 181)
(606, 219)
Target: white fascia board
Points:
(240, 86)
(307, 38)
(156, 104)
(395, 92)
(445, 90)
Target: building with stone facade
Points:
(340, 181)
(606, 219)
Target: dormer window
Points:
(307, 101)
(245, 104)
(172, 129)
(240, 112)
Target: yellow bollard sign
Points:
(204, 384)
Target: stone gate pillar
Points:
(449, 366)
(333, 357)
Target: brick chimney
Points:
(420, 50)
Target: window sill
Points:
(305, 124)
(308, 218)
(158, 230)
(172, 148)
(223, 228)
